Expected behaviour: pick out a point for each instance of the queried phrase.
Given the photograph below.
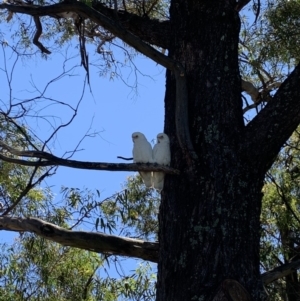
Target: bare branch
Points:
(51, 160)
(96, 242)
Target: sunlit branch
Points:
(97, 242)
(253, 92)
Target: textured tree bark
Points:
(209, 215)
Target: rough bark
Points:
(209, 216)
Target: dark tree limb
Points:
(93, 165)
(96, 242)
(47, 159)
(155, 32)
(280, 272)
(87, 12)
(38, 33)
(268, 131)
(241, 4)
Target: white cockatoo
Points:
(162, 156)
(142, 153)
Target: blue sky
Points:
(113, 109)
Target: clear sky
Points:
(114, 109)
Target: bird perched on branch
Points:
(142, 153)
(162, 156)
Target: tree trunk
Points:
(209, 215)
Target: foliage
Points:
(18, 182)
(35, 269)
(136, 207)
(283, 34)
(280, 217)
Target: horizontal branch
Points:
(110, 244)
(280, 272)
(47, 159)
(96, 242)
(93, 165)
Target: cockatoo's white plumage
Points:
(162, 156)
(142, 153)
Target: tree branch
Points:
(51, 160)
(241, 4)
(155, 32)
(249, 88)
(110, 244)
(89, 13)
(96, 242)
(38, 33)
(280, 272)
(268, 131)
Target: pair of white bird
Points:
(160, 154)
